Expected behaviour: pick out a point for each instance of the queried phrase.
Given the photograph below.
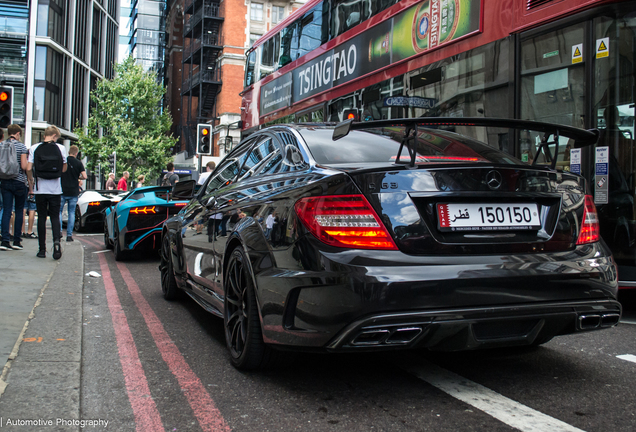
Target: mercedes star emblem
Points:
(494, 180)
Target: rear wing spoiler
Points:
(581, 137)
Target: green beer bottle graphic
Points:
(410, 31)
(420, 29)
(380, 47)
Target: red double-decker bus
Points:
(571, 62)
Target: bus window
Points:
(249, 69)
(288, 44)
(346, 14)
(269, 56)
(312, 28)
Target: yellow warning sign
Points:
(577, 53)
(602, 47)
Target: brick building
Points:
(206, 42)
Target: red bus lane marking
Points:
(209, 417)
(147, 416)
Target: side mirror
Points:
(342, 129)
(183, 190)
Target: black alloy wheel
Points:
(168, 282)
(107, 242)
(119, 254)
(241, 320)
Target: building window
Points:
(278, 13)
(256, 12)
(254, 38)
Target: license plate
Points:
(485, 217)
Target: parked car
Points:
(391, 234)
(134, 223)
(89, 210)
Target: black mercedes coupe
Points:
(393, 234)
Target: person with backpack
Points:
(14, 189)
(71, 188)
(171, 178)
(47, 162)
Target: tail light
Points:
(590, 230)
(143, 210)
(344, 221)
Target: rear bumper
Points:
(458, 302)
(462, 329)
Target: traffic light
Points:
(112, 162)
(351, 114)
(6, 106)
(204, 139)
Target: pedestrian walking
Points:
(47, 162)
(14, 189)
(29, 217)
(123, 182)
(70, 189)
(170, 178)
(110, 183)
(140, 180)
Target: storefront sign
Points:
(577, 53)
(601, 183)
(602, 47)
(414, 101)
(575, 161)
(424, 26)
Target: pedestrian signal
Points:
(6, 106)
(204, 139)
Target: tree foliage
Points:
(133, 124)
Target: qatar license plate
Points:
(485, 217)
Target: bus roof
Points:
(284, 23)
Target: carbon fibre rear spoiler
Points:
(581, 137)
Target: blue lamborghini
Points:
(134, 223)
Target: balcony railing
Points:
(198, 77)
(212, 39)
(207, 11)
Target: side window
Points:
(260, 156)
(225, 173)
(292, 158)
(249, 69)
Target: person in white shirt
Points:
(209, 167)
(48, 195)
(269, 224)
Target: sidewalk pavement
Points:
(41, 333)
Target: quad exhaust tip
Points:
(592, 321)
(387, 336)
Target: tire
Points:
(77, 226)
(243, 335)
(119, 254)
(107, 242)
(168, 281)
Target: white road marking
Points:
(492, 403)
(101, 251)
(628, 357)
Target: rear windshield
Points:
(373, 146)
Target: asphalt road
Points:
(149, 364)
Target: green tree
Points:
(128, 111)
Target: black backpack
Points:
(48, 162)
(167, 179)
